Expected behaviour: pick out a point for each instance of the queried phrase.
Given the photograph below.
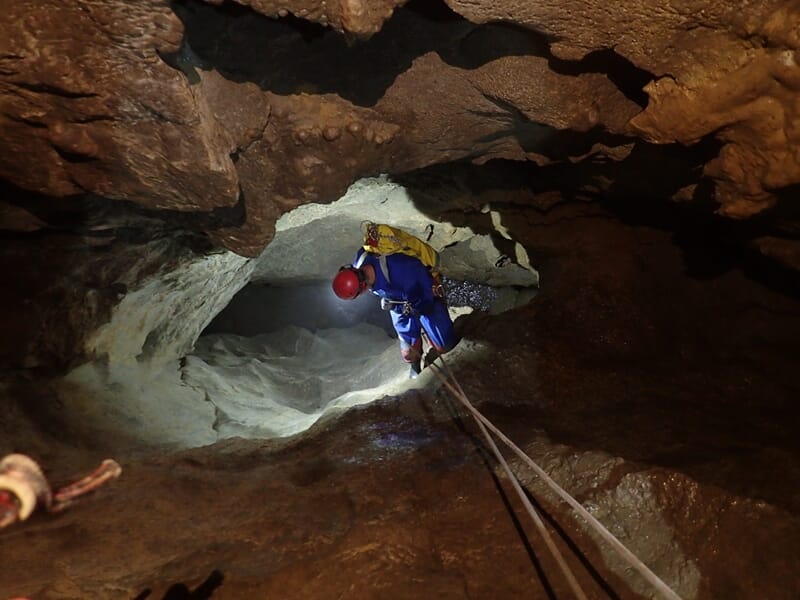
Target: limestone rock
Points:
(360, 17)
(86, 97)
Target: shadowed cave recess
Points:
(612, 188)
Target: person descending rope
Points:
(390, 265)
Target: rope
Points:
(484, 423)
(573, 583)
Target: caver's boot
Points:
(412, 354)
(416, 368)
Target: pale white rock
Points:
(160, 320)
(314, 240)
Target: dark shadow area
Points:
(556, 144)
(713, 245)
(486, 43)
(458, 417)
(489, 461)
(643, 171)
(263, 308)
(180, 591)
(95, 220)
(786, 205)
(74, 157)
(636, 190)
(629, 78)
(290, 55)
(496, 40)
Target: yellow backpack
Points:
(382, 239)
(385, 239)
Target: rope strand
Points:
(629, 556)
(568, 574)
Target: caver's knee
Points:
(411, 352)
(448, 347)
(445, 346)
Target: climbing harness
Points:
(449, 380)
(406, 308)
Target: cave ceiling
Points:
(158, 157)
(206, 121)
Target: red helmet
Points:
(349, 283)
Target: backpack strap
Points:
(381, 261)
(360, 260)
(384, 267)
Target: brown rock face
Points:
(358, 17)
(645, 155)
(104, 112)
(637, 359)
(213, 119)
(718, 70)
(85, 95)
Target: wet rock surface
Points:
(678, 433)
(395, 500)
(655, 372)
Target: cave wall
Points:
(146, 81)
(657, 384)
(217, 118)
(138, 138)
(644, 155)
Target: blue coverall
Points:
(411, 281)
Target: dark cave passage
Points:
(307, 57)
(181, 180)
(288, 335)
(262, 308)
